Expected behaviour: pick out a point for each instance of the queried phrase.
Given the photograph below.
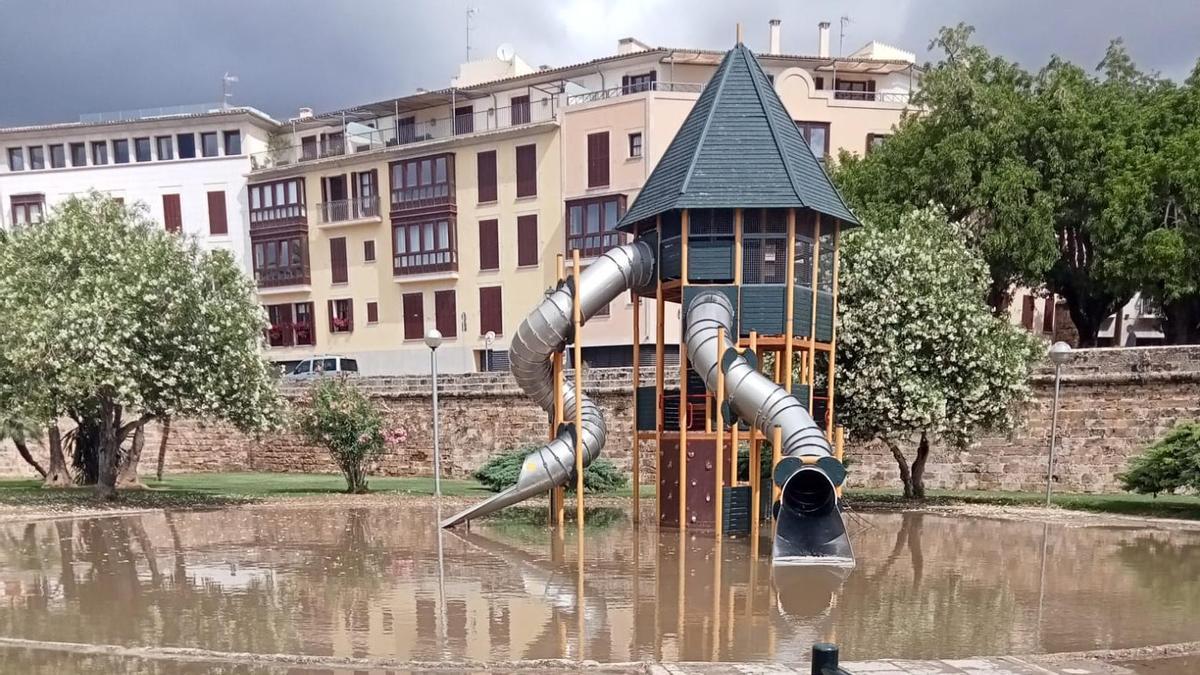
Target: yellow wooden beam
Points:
(719, 454)
(837, 234)
(790, 257)
(636, 451)
(683, 378)
(578, 312)
(812, 329)
(560, 493)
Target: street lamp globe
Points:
(1060, 353)
(433, 339)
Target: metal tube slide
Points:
(545, 332)
(809, 527)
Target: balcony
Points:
(440, 194)
(332, 147)
(275, 277)
(634, 88)
(348, 210)
(891, 98)
(431, 262)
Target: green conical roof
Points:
(738, 147)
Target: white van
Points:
(318, 366)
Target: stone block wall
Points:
(1113, 403)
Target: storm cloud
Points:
(62, 58)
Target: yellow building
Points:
(447, 208)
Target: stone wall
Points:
(1114, 402)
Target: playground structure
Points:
(739, 225)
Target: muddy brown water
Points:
(367, 582)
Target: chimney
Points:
(773, 47)
(305, 113)
(823, 39)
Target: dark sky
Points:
(61, 58)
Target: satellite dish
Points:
(505, 52)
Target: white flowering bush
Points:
(108, 319)
(920, 354)
(339, 417)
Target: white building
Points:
(187, 166)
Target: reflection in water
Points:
(386, 582)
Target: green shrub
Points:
(501, 472)
(344, 421)
(1171, 463)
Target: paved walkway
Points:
(1005, 665)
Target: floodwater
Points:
(369, 582)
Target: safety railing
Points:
(896, 97)
(634, 88)
(342, 210)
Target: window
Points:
(764, 246)
(218, 220)
(281, 262)
(277, 202)
(166, 150)
(78, 154)
(876, 140)
(58, 156)
(28, 208)
(527, 240)
(485, 164)
(208, 144)
(854, 90)
(186, 143)
(635, 144)
(369, 250)
(423, 246)
(491, 313)
(464, 119)
(349, 365)
(290, 324)
(172, 214)
(99, 153)
(413, 306)
(121, 151)
(233, 142)
(305, 335)
(1048, 314)
(406, 130)
(37, 157)
(372, 312)
(366, 197)
(592, 224)
(597, 159)
(444, 311)
(337, 260)
(141, 149)
(341, 316)
(632, 84)
(1027, 309)
(819, 82)
(519, 109)
(16, 159)
(425, 181)
(489, 245)
(526, 170)
(816, 134)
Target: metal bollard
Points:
(825, 659)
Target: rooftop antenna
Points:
(471, 11)
(842, 33)
(227, 82)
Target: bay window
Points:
(424, 245)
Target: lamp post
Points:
(433, 339)
(1060, 353)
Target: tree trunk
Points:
(85, 453)
(127, 474)
(109, 451)
(162, 447)
(23, 451)
(905, 473)
(918, 468)
(58, 476)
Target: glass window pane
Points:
(816, 141)
(99, 152)
(610, 214)
(208, 143)
(441, 170)
(141, 149)
(330, 365)
(37, 157)
(426, 171)
(401, 240)
(292, 188)
(414, 238)
(268, 196)
(279, 196)
(349, 365)
(78, 154)
(593, 217)
(411, 175)
(58, 156)
(16, 159)
(121, 151)
(258, 255)
(233, 142)
(186, 145)
(255, 198)
(428, 227)
(271, 254)
(443, 235)
(576, 220)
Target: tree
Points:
(111, 321)
(1171, 463)
(920, 355)
(343, 420)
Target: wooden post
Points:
(812, 329)
(683, 378)
(579, 628)
(716, 599)
(719, 454)
(578, 312)
(776, 455)
(837, 233)
(791, 300)
(636, 451)
(560, 492)
(738, 220)
(659, 375)
(839, 445)
(755, 455)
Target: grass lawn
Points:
(1164, 506)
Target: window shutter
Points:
(350, 313)
(1027, 312)
(527, 240)
(526, 170)
(819, 83)
(172, 215)
(624, 83)
(597, 153)
(337, 260)
(285, 318)
(489, 245)
(1048, 314)
(491, 313)
(369, 250)
(414, 316)
(444, 308)
(372, 312)
(486, 167)
(217, 221)
(330, 316)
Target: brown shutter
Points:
(819, 82)
(217, 221)
(1027, 312)
(172, 215)
(444, 309)
(1048, 314)
(527, 240)
(369, 250)
(597, 158)
(489, 245)
(491, 313)
(330, 316)
(486, 166)
(350, 313)
(285, 318)
(414, 316)
(526, 170)
(337, 260)
(372, 312)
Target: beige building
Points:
(448, 208)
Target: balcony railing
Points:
(349, 209)
(438, 194)
(272, 277)
(425, 262)
(636, 88)
(274, 215)
(481, 120)
(594, 244)
(894, 97)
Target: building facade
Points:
(449, 208)
(187, 168)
